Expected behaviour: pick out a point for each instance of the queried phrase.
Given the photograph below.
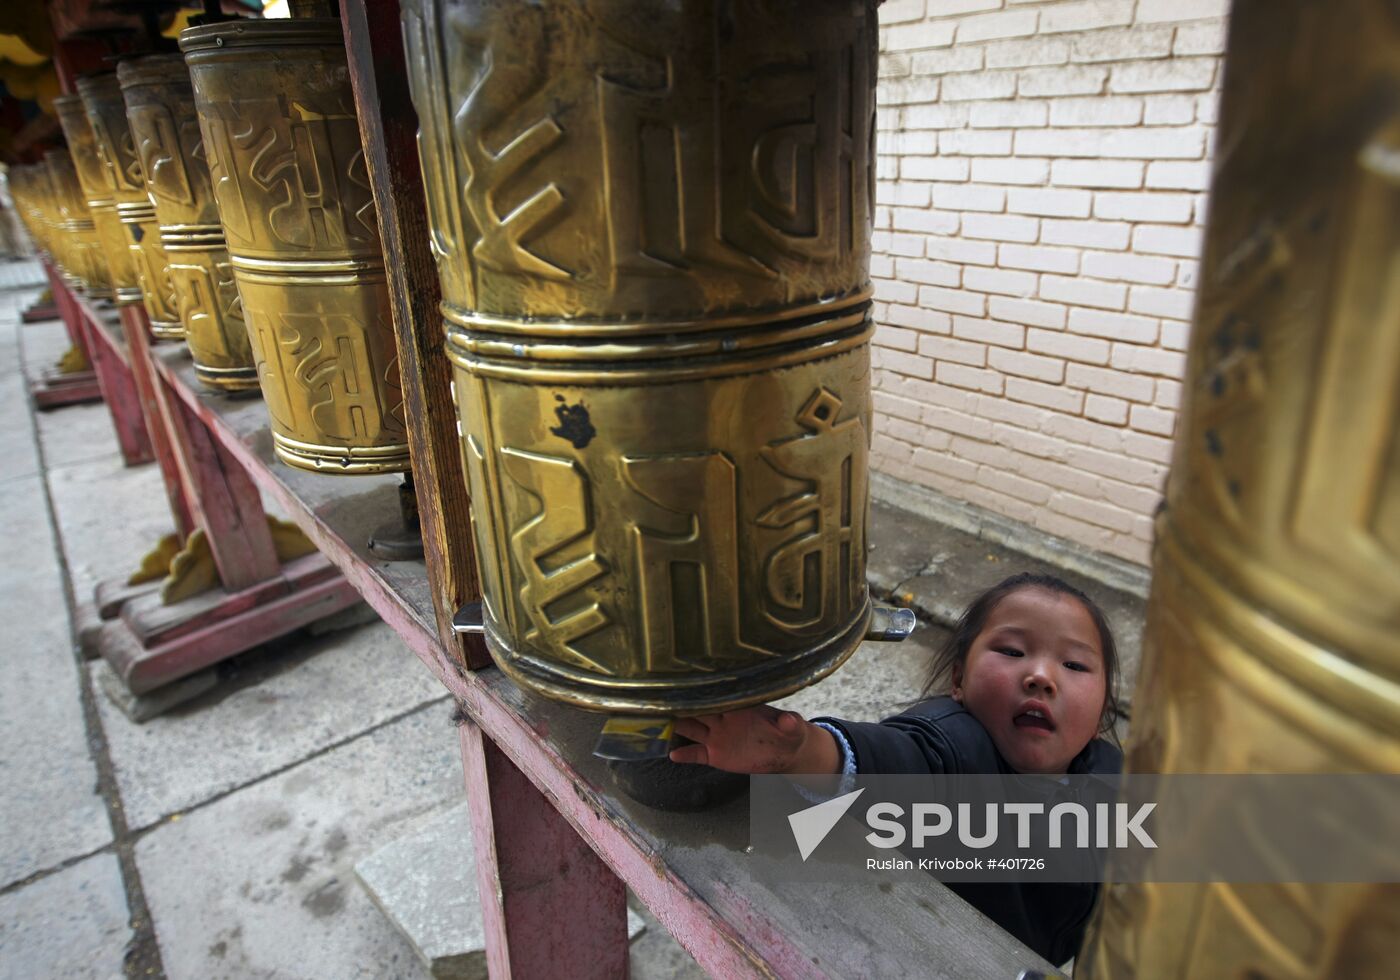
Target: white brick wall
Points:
(1041, 196)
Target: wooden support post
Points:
(114, 378)
(546, 897)
(223, 500)
(389, 131)
(67, 311)
(55, 387)
(135, 327)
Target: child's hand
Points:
(757, 740)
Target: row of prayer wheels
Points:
(51, 205)
(656, 298)
(225, 190)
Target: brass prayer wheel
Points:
(99, 197)
(283, 144)
(116, 151)
(1272, 641)
(652, 225)
(29, 195)
(165, 134)
(81, 257)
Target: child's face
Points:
(1039, 652)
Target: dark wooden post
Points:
(389, 130)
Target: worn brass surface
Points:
(99, 196)
(652, 227)
(82, 258)
(123, 176)
(278, 119)
(165, 133)
(1273, 634)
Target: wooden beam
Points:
(135, 328)
(108, 358)
(389, 131)
(226, 503)
(546, 898)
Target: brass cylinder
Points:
(82, 259)
(165, 133)
(1272, 642)
(652, 224)
(100, 200)
(280, 134)
(121, 168)
(40, 209)
(29, 204)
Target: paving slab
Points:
(261, 883)
(16, 435)
(20, 275)
(50, 809)
(290, 700)
(71, 924)
(880, 680)
(88, 496)
(78, 434)
(425, 882)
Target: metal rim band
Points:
(134, 213)
(478, 322)
(357, 268)
(593, 373)
(191, 243)
(152, 69)
(233, 372)
(335, 460)
(209, 40)
(704, 694)
(652, 347)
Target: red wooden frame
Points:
(207, 488)
(113, 375)
(54, 389)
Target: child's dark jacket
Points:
(940, 736)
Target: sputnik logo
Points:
(810, 826)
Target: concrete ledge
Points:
(1116, 573)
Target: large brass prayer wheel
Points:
(166, 136)
(1272, 641)
(283, 144)
(652, 226)
(99, 197)
(123, 176)
(81, 257)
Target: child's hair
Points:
(974, 619)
